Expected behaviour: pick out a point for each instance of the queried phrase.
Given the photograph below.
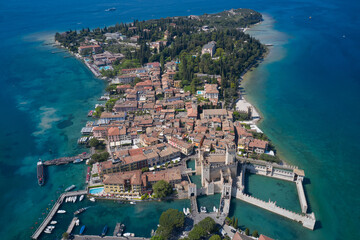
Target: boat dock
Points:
(54, 210)
(72, 225)
(117, 229)
(66, 160)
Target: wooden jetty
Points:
(54, 210)
(72, 225)
(66, 160)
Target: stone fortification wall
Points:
(270, 171)
(301, 194)
(307, 221)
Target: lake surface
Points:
(307, 90)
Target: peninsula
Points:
(173, 87)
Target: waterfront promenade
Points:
(54, 210)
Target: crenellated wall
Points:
(307, 220)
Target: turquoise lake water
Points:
(307, 89)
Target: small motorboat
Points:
(81, 210)
(129, 234)
(92, 199)
(61, 211)
(132, 202)
(104, 231)
(81, 198)
(53, 222)
(203, 209)
(82, 229)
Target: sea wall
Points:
(301, 194)
(307, 220)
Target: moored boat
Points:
(81, 210)
(92, 199)
(129, 235)
(61, 211)
(78, 160)
(70, 188)
(203, 209)
(104, 231)
(81, 198)
(82, 229)
(40, 172)
(53, 222)
(132, 202)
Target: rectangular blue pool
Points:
(96, 190)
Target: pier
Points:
(54, 210)
(117, 229)
(72, 225)
(66, 160)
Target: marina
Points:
(53, 211)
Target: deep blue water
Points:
(307, 90)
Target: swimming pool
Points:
(105, 68)
(96, 190)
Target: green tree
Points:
(145, 169)
(162, 189)
(255, 234)
(215, 237)
(236, 223)
(110, 104)
(208, 224)
(170, 220)
(157, 238)
(247, 231)
(197, 233)
(98, 111)
(94, 142)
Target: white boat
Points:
(188, 211)
(61, 211)
(132, 202)
(203, 209)
(47, 231)
(81, 198)
(70, 188)
(53, 222)
(92, 199)
(50, 227)
(184, 210)
(75, 198)
(129, 234)
(77, 223)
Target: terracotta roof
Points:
(113, 131)
(112, 115)
(263, 237)
(258, 143)
(121, 177)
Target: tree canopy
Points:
(162, 189)
(170, 220)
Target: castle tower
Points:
(230, 154)
(205, 173)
